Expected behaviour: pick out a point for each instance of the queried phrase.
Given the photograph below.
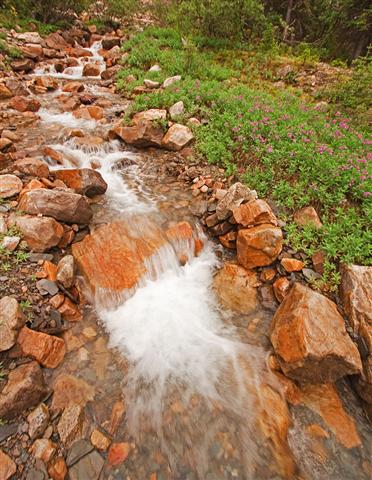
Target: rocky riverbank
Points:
(93, 208)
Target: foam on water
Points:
(109, 156)
(75, 73)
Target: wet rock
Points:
(99, 440)
(57, 470)
(111, 258)
(43, 449)
(142, 134)
(70, 311)
(73, 87)
(38, 421)
(85, 181)
(88, 467)
(78, 450)
(48, 350)
(292, 265)
(24, 389)
(22, 65)
(109, 42)
(91, 70)
(69, 390)
(307, 216)
(281, 287)
(171, 80)
(70, 425)
(32, 166)
(229, 240)
(236, 288)
(24, 104)
(234, 197)
(62, 205)
(118, 453)
(259, 246)
(40, 233)
(111, 72)
(66, 271)
(11, 321)
(177, 137)
(5, 92)
(47, 287)
(252, 213)
(309, 337)
(7, 467)
(176, 110)
(10, 185)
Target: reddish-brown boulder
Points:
(11, 320)
(112, 257)
(5, 92)
(252, 213)
(55, 41)
(22, 65)
(7, 467)
(91, 70)
(259, 246)
(73, 87)
(48, 350)
(32, 166)
(62, 205)
(24, 104)
(309, 337)
(292, 265)
(25, 389)
(230, 200)
(10, 185)
(40, 233)
(143, 134)
(85, 181)
(307, 216)
(236, 288)
(177, 137)
(108, 42)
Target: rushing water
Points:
(191, 386)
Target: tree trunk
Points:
(287, 19)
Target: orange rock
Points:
(118, 453)
(253, 213)
(58, 469)
(292, 265)
(113, 258)
(51, 270)
(274, 421)
(309, 337)
(325, 401)
(117, 413)
(99, 440)
(259, 246)
(281, 287)
(7, 467)
(229, 240)
(70, 311)
(236, 288)
(48, 350)
(307, 216)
